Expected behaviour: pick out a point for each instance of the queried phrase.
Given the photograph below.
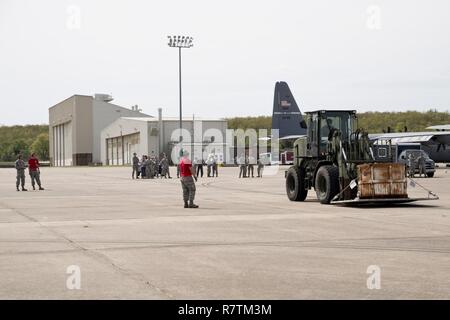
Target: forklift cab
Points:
(321, 125)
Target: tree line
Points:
(374, 122)
(24, 140)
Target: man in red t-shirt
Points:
(33, 168)
(188, 175)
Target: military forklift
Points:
(336, 159)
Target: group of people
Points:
(33, 166)
(416, 163)
(211, 166)
(188, 171)
(150, 167)
(247, 167)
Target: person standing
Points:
(215, 166)
(144, 167)
(209, 165)
(164, 163)
(20, 178)
(422, 166)
(135, 162)
(188, 175)
(198, 167)
(411, 166)
(260, 167)
(250, 166)
(35, 172)
(242, 167)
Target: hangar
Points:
(154, 136)
(90, 130)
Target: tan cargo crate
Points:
(382, 180)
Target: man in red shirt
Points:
(33, 167)
(188, 175)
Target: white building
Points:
(153, 136)
(75, 125)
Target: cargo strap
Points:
(431, 194)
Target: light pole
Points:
(180, 42)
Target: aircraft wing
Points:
(282, 138)
(426, 137)
(292, 137)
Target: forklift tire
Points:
(430, 174)
(295, 184)
(327, 183)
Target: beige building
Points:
(154, 136)
(75, 125)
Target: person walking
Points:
(188, 176)
(20, 178)
(35, 172)
(135, 163)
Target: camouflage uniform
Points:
(150, 168)
(20, 178)
(135, 167)
(188, 185)
(164, 163)
(260, 168)
(422, 166)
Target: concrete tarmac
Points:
(132, 239)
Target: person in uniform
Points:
(250, 166)
(198, 167)
(164, 163)
(242, 167)
(209, 165)
(188, 176)
(260, 168)
(20, 178)
(422, 166)
(215, 166)
(411, 166)
(144, 167)
(150, 167)
(135, 162)
(34, 171)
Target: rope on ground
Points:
(430, 193)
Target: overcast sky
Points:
(357, 54)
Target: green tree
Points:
(40, 146)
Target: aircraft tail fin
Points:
(286, 116)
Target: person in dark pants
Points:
(20, 166)
(135, 166)
(144, 167)
(199, 167)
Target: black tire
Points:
(327, 183)
(430, 174)
(295, 184)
